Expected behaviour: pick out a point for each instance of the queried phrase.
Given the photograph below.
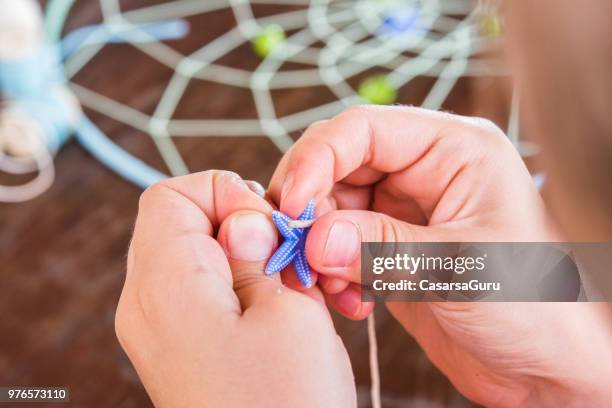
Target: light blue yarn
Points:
(31, 85)
(114, 157)
(88, 134)
(31, 76)
(101, 34)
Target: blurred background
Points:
(101, 98)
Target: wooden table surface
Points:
(62, 255)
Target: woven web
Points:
(339, 39)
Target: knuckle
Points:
(207, 174)
(391, 231)
(256, 187)
(487, 126)
(356, 109)
(356, 112)
(317, 124)
(388, 229)
(481, 136)
(486, 131)
(311, 132)
(225, 177)
(248, 280)
(358, 117)
(151, 195)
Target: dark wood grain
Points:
(62, 255)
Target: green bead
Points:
(268, 39)
(378, 90)
(491, 25)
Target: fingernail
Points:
(235, 178)
(342, 245)
(250, 237)
(256, 188)
(287, 186)
(348, 301)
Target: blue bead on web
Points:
(293, 249)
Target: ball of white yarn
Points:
(21, 28)
(22, 136)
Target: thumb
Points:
(248, 238)
(333, 247)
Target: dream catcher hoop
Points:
(339, 40)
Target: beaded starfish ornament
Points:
(293, 249)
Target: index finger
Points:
(370, 140)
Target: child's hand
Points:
(199, 320)
(408, 174)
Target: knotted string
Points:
(299, 224)
(372, 342)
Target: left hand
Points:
(201, 322)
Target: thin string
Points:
(374, 370)
(372, 343)
(299, 224)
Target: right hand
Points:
(407, 174)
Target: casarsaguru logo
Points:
(426, 285)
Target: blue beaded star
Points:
(293, 249)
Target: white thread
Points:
(300, 224)
(373, 345)
(374, 370)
